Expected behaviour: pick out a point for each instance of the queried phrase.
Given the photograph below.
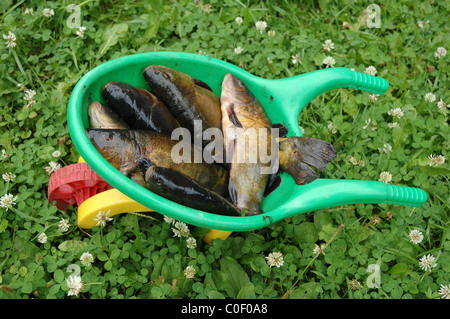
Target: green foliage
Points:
(138, 257)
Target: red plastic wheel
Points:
(73, 184)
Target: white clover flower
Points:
(191, 242)
(271, 33)
(416, 236)
(42, 238)
(385, 177)
(169, 220)
(275, 259)
(53, 167)
(354, 160)
(75, 284)
(181, 230)
(48, 12)
(189, 272)
(329, 62)
(387, 148)
(29, 11)
(29, 96)
(328, 45)
(103, 218)
(440, 52)
(393, 124)
(427, 262)
(63, 225)
(421, 24)
(333, 128)
(5, 154)
(370, 124)
(397, 112)
(207, 8)
(56, 154)
(8, 177)
(86, 259)
(238, 50)
(430, 97)
(10, 39)
(436, 160)
(444, 291)
(261, 26)
(81, 31)
(373, 97)
(238, 20)
(22, 87)
(7, 201)
(319, 249)
(296, 59)
(441, 105)
(269, 60)
(371, 70)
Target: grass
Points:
(366, 251)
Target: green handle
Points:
(297, 91)
(326, 193)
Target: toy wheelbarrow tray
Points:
(283, 99)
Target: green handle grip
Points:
(407, 196)
(327, 193)
(369, 83)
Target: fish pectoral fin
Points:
(233, 192)
(201, 84)
(232, 115)
(145, 164)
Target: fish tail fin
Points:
(298, 153)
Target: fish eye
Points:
(241, 84)
(108, 137)
(168, 75)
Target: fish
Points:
(188, 99)
(139, 108)
(124, 149)
(102, 117)
(182, 189)
(241, 110)
(294, 155)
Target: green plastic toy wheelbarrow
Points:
(283, 100)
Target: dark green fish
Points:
(139, 108)
(183, 190)
(186, 98)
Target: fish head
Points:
(166, 81)
(118, 95)
(235, 90)
(102, 117)
(117, 147)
